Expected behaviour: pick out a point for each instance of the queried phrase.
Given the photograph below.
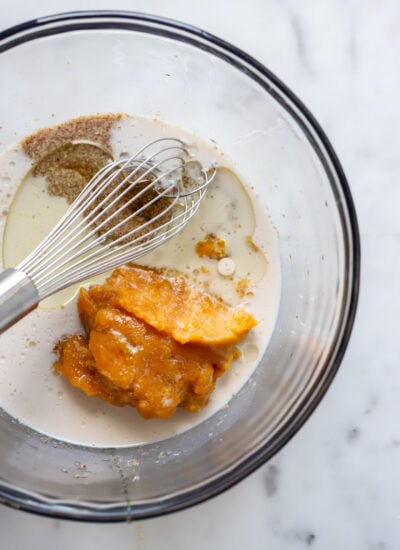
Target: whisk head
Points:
(130, 207)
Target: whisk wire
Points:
(95, 234)
(90, 269)
(85, 197)
(85, 269)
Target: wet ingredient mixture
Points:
(225, 264)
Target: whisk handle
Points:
(18, 296)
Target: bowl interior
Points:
(60, 70)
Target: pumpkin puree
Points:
(152, 341)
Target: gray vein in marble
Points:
(271, 480)
(371, 405)
(302, 51)
(307, 537)
(353, 434)
(353, 54)
(310, 538)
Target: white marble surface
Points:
(336, 485)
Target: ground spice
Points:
(68, 167)
(96, 128)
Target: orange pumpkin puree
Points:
(211, 247)
(152, 342)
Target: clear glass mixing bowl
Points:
(60, 67)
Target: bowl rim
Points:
(153, 24)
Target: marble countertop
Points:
(336, 485)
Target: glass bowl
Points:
(59, 67)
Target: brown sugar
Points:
(127, 360)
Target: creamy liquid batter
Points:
(29, 388)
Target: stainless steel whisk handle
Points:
(18, 296)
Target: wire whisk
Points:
(130, 207)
